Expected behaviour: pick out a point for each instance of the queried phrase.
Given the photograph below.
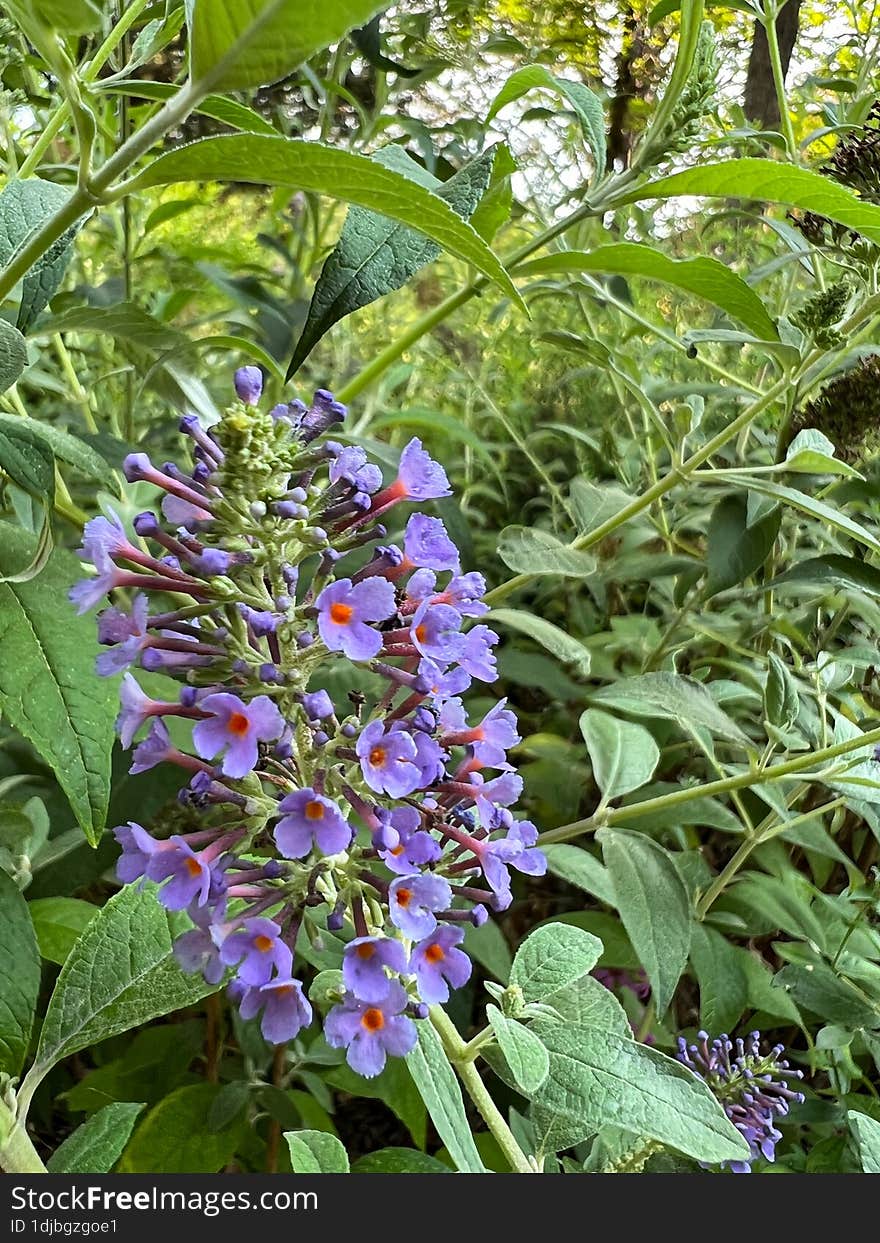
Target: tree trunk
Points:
(760, 103)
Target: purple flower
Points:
(103, 540)
(412, 901)
(371, 1031)
(437, 963)
(285, 1008)
(443, 685)
(419, 477)
(256, 950)
(311, 819)
(235, 728)
(190, 877)
(343, 611)
(427, 545)
(155, 749)
(351, 466)
(136, 707)
(752, 1088)
(248, 385)
(197, 949)
(408, 847)
(430, 759)
(435, 632)
(138, 847)
(476, 655)
(128, 633)
(514, 850)
(489, 740)
(465, 593)
(318, 705)
(364, 963)
(388, 761)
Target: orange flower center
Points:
(341, 613)
(434, 953)
(238, 724)
(421, 632)
(378, 755)
(404, 897)
(263, 944)
(192, 866)
(314, 810)
(365, 952)
(284, 989)
(398, 850)
(373, 1020)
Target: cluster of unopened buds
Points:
(753, 1087)
(385, 821)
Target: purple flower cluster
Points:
(751, 1086)
(386, 822)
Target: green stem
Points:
(17, 1153)
(477, 1091)
(741, 781)
(89, 74)
(769, 23)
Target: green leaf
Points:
(824, 514)
(570, 651)
(707, 278)
(588, 1003)
(524, 1053)
(57, 923)
(375, 255)
(68, 18)
(436, 1081)
(235, 44)
(48, 688)
(256, 158)
(781, 701)
(812, 453)
(768, 182)
(230, 111)
(734, 549)
(27, 459)
(493, 209)
(671, 697)
(175, 1138)
(623, 754)
(399, 1161)
(529, 550)
(654, 907)
(153, 1063)
(68, 448)
(24, 207)
(120, 974)
(867, 1132)
(96, 1145)
(584, 103)
(817, 988)
(552, 957)
(724, 986)
(598, 1077)
(833, 570)
(578, 867)
(124, 321)
(13, 354)
(19, 976)
(316, 1152)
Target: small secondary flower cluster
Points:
(752, 1087)
(387, 823)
